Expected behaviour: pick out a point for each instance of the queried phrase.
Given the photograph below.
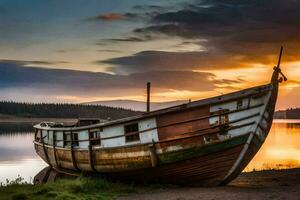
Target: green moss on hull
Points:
(181, 155)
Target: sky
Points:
(77, 51)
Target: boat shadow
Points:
(49, 174)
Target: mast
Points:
(277, 70)
(148, 96)
(279, 59)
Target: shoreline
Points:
(266, 184)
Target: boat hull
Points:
(198, 165)
(204, 143)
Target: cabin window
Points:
(67, 138)
(239, 104)
(75, 139)
(132, 132)
(95, 136)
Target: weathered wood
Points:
(153, 154)
(91, 160)
(114, 160)
(54, 149)
(45, 152)
(72, 153)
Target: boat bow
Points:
(257, 137)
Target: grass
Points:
(80, 188)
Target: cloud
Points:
(110, 51)
(129, 39)
(147, 7)
(114, 16)
(233, 34)
(80, 83)
(31, 62)
(108, 17)
(68, 50)
(158, 60)
(131, 15)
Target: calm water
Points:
(17, 155)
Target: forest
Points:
(62, 110)
(291, 113)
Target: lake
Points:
(17, 156)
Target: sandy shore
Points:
(271, 184)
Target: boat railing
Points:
(208, 130)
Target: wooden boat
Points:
(206, 142)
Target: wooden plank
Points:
(91, 160)
(72, 153)
(176, 156)
(172, 131)
(54, 149)
(112, 163)
(45, 152)
(210, 168)
(153, 155)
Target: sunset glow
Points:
(60, 52)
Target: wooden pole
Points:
(279, 58)
(148, 96)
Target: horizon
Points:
(76, 52)
(107, 101)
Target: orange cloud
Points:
(110, 16)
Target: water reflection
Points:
(281, 149)
(17, 156)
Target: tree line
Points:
(63, 110)
(293, 113)
(290, 113)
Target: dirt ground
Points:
(271, 184)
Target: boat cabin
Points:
(106, 136)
